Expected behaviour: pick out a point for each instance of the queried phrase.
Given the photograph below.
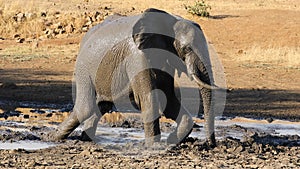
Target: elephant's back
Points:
(111, 31)
(102, 38)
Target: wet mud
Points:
(241, 142)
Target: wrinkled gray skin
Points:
(114, 59)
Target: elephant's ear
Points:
(197, 25)
(154, 29)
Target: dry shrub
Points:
(277, 56)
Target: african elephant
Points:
(134, 56)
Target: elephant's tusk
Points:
(202, 84)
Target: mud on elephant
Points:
(137, 56)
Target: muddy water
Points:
(22, 127)
(25, 135)
(25, 144)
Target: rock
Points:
(37, 111)
(3, 115)
(97, 16)
(29, 15)
(126, 124)
(85, 153)
(58, 31)
(16, 36)
(239, 149)
(69, 28)
(8, 85)
(20, 17)
(269, 120)
(20, 40)
(49, 115)
(43, 14)
(48, 23)
(89, 21)
(58, 25)
(85, 28)
(48, 31)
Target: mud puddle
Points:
(21, 128)
(23, 135)
(26, 145)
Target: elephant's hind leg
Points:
(90, 124)
(64, 129)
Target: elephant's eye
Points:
(187, 49)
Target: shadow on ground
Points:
(223, 16)
(47, 87)
(264, 103)
(39, 86)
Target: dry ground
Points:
(257, 42)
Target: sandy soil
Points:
(258, 89)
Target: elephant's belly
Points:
(110, 85)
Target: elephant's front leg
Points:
(173, 108)
(184, 120)
(145, 97)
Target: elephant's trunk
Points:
(197, 71)
(209, 116)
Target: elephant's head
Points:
(191, 46)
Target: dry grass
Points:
(72, 11)
(280, 56)
(62, 53)
(23, 53)
(9, 27)
(34, 24)
(255, 4)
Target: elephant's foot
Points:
(85, 137)
(63, 130)
(184, 128)
(150, 141)
(53, 136)
(152, 133)
(211, 141)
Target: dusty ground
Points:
(257, 42)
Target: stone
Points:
(8, 85)
(20, 40)
(16, 36)
(85, 153)
(43, 14)
(85, 28)
(29, 15)
(69, 28)
(20, 17)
